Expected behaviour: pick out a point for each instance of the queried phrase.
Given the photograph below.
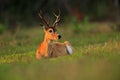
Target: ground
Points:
(96, 54)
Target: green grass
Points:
(96, 55)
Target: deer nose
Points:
(59, 36)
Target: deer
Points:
(49, 46)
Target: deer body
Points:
(59, 49)
(49, 48)
(53, 49)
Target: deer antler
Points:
(43, 19)
(57, 19)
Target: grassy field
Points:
(96, 54)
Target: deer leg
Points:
(38, 56)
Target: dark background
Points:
(25, 12)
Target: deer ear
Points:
(43, 27)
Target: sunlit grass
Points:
(96, 56)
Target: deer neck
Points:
(48, 45)
(47, 42)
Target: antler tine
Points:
(57, 19)
(43, 19)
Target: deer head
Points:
(51, 31)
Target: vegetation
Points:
(91, 26)
(14, 12)
(96, 54)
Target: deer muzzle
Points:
(59, 36)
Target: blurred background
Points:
(91, 26)
(14, 13)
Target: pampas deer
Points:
(50, 48)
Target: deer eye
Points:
(51, 31)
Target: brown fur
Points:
(48, 48)
(58, 49)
